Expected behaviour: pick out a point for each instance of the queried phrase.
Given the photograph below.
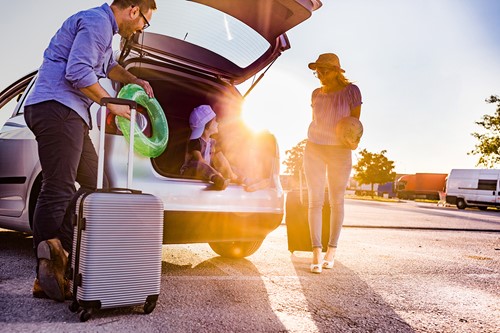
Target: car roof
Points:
(231, 39)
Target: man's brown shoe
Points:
(51, 268)
(39, 293)
(37, 290)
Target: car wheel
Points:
(235, 249)
(461, 204)
(35, 192)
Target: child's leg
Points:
(207, 172)
(223, 166)
(198, 170)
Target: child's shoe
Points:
(220, 183)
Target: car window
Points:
(13, 97)
(211, 29)
(487, 184)
(8, 106)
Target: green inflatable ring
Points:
(156, 144)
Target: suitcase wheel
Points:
(149, 306)
(85, 315)
(74, 306)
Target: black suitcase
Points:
(117, 243)
(297, 225)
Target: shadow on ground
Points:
(217, 295)
(210, 295)
(340, 301)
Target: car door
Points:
(18, 150)
(487, 186)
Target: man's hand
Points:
(146, 86)
(120, 74)
(119, 110)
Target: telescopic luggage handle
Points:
(100, 162)
(121, 101)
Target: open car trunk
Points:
(253, 155)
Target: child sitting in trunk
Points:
(203, 159)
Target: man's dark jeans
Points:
(66, 155)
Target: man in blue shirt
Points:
(57, 111)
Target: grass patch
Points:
(427, 200)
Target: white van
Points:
(473, 188)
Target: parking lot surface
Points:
(386, 279)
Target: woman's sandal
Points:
(316, 268)
(328, 264)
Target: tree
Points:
(489, 143)
(294, 159)
(374, 168)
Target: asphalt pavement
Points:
(400, 267)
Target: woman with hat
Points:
(327, 161)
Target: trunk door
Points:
(231, 40)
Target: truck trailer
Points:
(473, 188)
(421, 186)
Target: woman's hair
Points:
(144, 5)
(342, 79)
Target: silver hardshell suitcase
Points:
(117, 242)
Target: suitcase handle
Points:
(102, 135)
(119, 189)
(120, 101)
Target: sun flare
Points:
(283, 110)
(253, 116)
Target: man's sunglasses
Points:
(146, 22)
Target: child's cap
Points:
(199, 117)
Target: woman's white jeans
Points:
(322, 162)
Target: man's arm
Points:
(117, 73)
(88, 46)
(96, 92)
(120, 74)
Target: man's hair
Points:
(144, 5)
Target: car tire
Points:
(35, 192)
(461, 204)
(235, 250)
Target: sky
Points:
(424, 69)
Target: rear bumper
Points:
(205, 227)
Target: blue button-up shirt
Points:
(78, 55)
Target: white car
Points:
(196, 52)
